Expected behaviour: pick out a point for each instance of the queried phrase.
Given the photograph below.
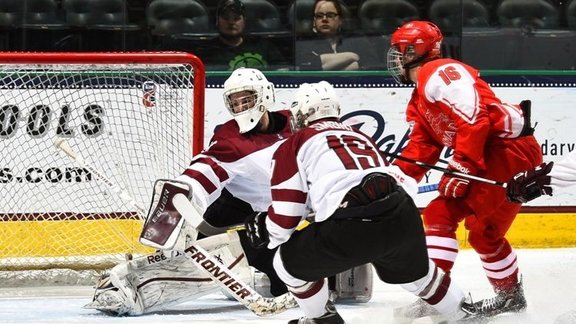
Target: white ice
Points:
(549, 282)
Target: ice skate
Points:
(504, 302)
(330, 317)
(468, 313)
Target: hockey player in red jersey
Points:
(452, 107)
(364, 212)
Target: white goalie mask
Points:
(314, 101)
(248, 95)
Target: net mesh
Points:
(133, 123)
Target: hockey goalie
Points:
(225, 184)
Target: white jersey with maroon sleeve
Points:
(563, 173)
(239, 162)
(315, 168)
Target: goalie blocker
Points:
(165, 228)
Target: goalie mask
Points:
(248, 95)
(412, 44)
(314, 101)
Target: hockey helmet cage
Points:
(260, 97)
(412, 44)
(314, 101)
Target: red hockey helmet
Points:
(412, 44)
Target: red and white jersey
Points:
(452, 107)
(239, 162)
(563, 173)
(315, 168)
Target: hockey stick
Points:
(445, 170)
(66, 148)
(223, 276)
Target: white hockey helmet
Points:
(314, 101)
(247, 110)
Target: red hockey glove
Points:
(453, 186)
(531, 184)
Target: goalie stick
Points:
(220, 274)
(66, 148)
(259, 305)
(445, 170)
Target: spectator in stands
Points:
(330, 50)
(232, 48)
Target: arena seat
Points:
(384, 16)
(528, 14)
(451, 18)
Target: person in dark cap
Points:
(233, 48)
(234, 6)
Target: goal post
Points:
(132, 117)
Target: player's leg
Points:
(499, 261)
(488, 230)
(441, 218)
(406, 262)
(312, 294)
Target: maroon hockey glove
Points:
(531, 184)
(453, 186)
(256, 230)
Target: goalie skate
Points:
(115, 296)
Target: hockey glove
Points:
(528, 185)
(453, 186)
(256, 230)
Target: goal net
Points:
(131, 117)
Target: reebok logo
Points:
(459, 167)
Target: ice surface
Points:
(549, 282)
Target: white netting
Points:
(131, 122)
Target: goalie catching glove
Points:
(453, 186)
(256, 230)
(528, 185)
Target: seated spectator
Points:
(329, 49)
(232, 48)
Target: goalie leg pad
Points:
(163, 279)
(354, 285)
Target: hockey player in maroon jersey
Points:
(364, 212)
(452, 107)
(228, 181)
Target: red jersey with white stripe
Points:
(315, 168)
(452, 107)
(239, 162)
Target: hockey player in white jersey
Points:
(364, 212)
(227, 181)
